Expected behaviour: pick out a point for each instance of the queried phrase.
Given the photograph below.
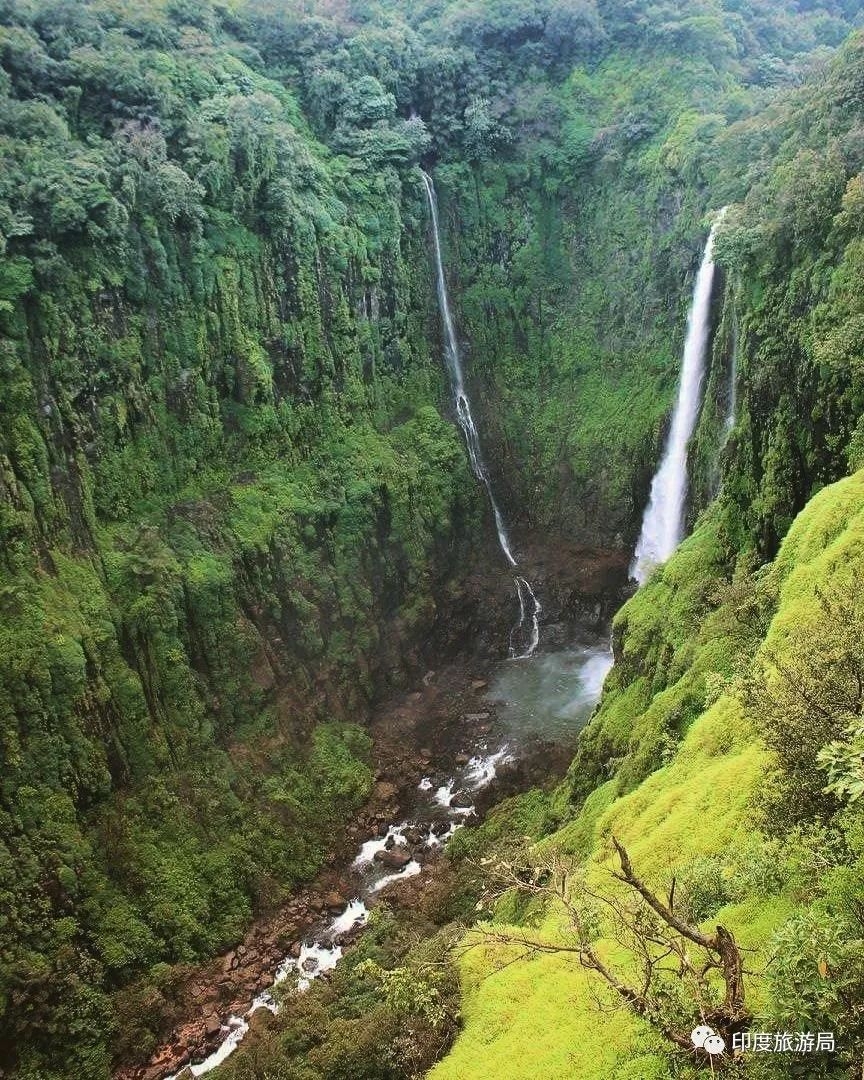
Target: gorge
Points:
(319, 485)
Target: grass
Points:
(530, 1017)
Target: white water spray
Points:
(663, 523)
(529, 606)
(525, 593)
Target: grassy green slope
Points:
(539, 1017)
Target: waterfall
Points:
(529, 606)
(663, 523)
(457, 379)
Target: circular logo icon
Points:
(714, 1044)
(706, 1038)
(699, 1034)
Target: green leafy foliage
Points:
(227, 495)
(227, 500)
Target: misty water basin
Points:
(551, 695)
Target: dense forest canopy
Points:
(234, 508)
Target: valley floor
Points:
(452, 733)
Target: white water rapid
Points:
(663, 523)
(525, 635)
(435, 822)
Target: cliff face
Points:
(726, 751)
(229, 505)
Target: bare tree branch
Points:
(652, 932)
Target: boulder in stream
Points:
(395, 857)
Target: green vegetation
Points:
(786, 884)
(232, 506)
(228, 503)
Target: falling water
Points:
(663, 523)
(529, 606)
(524, 592)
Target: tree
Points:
(676, 977)
(483, 134)
(806, 697)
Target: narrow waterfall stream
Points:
(525, 635)
(732, 393)
(663, 523)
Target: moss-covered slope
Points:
(697, 818)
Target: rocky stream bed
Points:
(470, 732)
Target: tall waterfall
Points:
(525, 635)
(663, 523)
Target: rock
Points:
(475, 717)
(333, 901)
(461, 759)
(212, 1027)
(428, 677)
(395, 858)
(479, 684)
(554, 634)
(156, 1072)
(462, 800)
(296, 949)
(384, 790)
(413, 836)
(229, 962)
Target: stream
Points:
(546, 696)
